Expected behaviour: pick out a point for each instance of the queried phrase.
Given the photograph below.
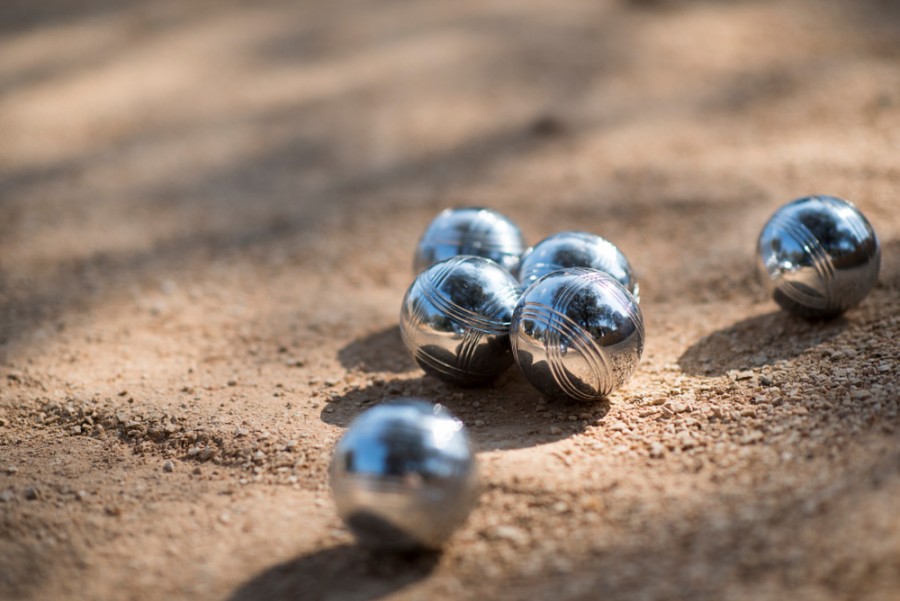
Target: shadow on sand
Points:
(345, 572)
(509, 414)
(757, 341)
(382, 351)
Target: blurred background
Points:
(139, 135)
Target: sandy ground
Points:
(207, 218)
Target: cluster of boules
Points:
(566, 312)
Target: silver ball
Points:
(455, 320)
(470, 231)
(819, 256)
(577, 334)
(403, 475)
(577, 249)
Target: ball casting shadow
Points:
(757, 341)
(382, 351)
(345, 572)
(509, 414)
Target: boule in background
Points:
(818, 256)
(577, 249)
(403, 476)
(470, 231)
(455, 320)
(577, 334)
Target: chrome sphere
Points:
(455, 320)
(403, 475)
(577, 249)
(470, 231)
(577, 334)
(819, 256)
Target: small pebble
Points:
(513, 534)
(686, 440)
(168, 466)
(752, 437)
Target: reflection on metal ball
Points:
(403, 476)
(819, 256)
(470, 231)
(455, 320)
(577, 334)
(577, 249)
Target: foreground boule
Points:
(577, 334)
(577, 249)
(455, 320)
(404, 476)
(818, 256)
(470, 231)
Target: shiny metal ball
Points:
(470, 231)
(818, 256)
(577, 334)
(455, 320)
(403, 475)
(577, 249)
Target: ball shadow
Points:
(382, 351)
(345, 572)
(509, 414)
(757, 341)
(889, 277)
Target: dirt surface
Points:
(207, 218)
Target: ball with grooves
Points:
(818, 256)
(470, 231)
(576, 249)
(455, 320)
(403, 475)
(577, 334)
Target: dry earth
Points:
(207, 216)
